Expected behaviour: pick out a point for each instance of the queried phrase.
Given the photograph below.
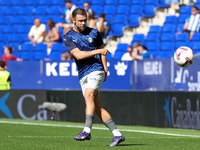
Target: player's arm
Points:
(79, 55)
(185, 25)
(136, 56)
(104, 62)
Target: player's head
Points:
(86, 6)
(50, 23)
(68, 4)
(195, 10)
(130, 49)
(8, 50)
(2, 64)
(79, 18)
(37, 22)
(141, 49)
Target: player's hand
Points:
(105, 77)
(104, 51)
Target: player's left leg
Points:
(108, 121)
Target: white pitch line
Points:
(97, 128)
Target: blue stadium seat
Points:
(151, 2)
(122, 47)
(25, 38)
(8, 30)
(40, 47)
(4, 20)
(1, 11)
(123, 9)
(117, 30)
(109, 18)
(110, 2)
(40, 10)
(167, 46)
(124, 2)
(154, 37)
(185, 10)
(180, 43)
(22, 30)
(179, 27)
(25, 55)
(58, 19)
(197, 5)
(5, 3)
(162, 4)
(171, 19)
(153, 46)
(137, 2)
(109, 56)
(29, 20)
(97, 9)
(138, 38)
(133, 20)
(57, 47)
(17, 2)
(43, 2)
(3, 38)
(136, 9)
(18, 20)
(168, 28)
(120, 19)
(81, 2)
(167, 37)
(27, 47)
(24, 11)
(197, 2)
(164, 54)
(38, 55)
(155, 29)
(182, 37)
(195, 37)
(109, 9)
(97, 2)
(10, 11)
(195, 46)
(57, 2)
(15, 38)
(118, 54)
(53, 10)
(1, 47)
(55, 55)
(182, 18)
(149, 11)
(30, 3)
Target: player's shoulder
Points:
(89, 30)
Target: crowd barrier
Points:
(148, 75)
(156, 109)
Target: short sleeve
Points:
(69, 44)
(99, 40)
(42, 28)
(145, 55)
(31, 31)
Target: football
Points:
(184, 56)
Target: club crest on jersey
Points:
(90, 39)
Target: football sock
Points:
(112, 127)
(88, 123)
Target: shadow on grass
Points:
(132, 144)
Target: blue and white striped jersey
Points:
(194, 23)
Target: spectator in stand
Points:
(67, 15)
(172, 3)
(130, 50)
(8, 55)
(87, 8)
(52, 36)
(37, 32)
(140, 53)
(5, 81)
(192, 23)
(103, 26)
(66, 57)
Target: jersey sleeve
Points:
(99, 40)
(69, 44)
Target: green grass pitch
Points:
(18, 134)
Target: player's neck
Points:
(76, 29)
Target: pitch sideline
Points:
(97, 128)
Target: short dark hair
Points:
(102, 15)
(78, 11)
(2, 64)
(144, 47)
(68, 1)
(197, 8)
(51, 23)
(10, 48)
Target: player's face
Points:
(140, 49)
(37, 22)
(6, 51)
(86, 6)
(80, 22)
(129, 49)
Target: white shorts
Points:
(93, 80)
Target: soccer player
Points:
(85, 45)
